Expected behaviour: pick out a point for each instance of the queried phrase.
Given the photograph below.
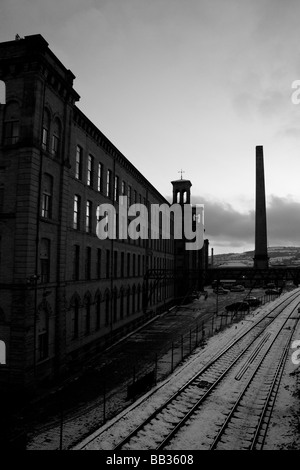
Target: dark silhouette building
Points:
(65, 294)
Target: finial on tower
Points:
(181, 171)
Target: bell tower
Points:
(181, 190)
(183, 258)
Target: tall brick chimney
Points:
(261, 259)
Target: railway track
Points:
(268, 371)
(163, 425)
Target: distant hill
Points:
(278, 255)
(277, 249)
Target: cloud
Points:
(227, 227)
(283, 216)
(225, 224)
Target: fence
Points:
(180, 349)
(164, 363)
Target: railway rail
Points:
(251, 349)
(268, 370)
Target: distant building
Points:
(65, 294)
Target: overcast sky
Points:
(191, 84)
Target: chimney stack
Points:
(261, 259)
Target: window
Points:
(107, 263)
(107, 309)
(55, 145)
(121, 303)
(128, 264)
(88, 217)
(129, 195)
(135, 197)
(45, 260)
(42, 343)
(139, 298)
(115, 305)
(122, 264)
(99, 263)
(133, 264)
(76, 215)
(56, 138)
(90, 171)
(75, 319)
(76, 262)
(11, 132)
(115, 264)
(98, 217)
(45, 131)
(100, 177)
(11, 123)
(88, 316)
(123, 189)
(98, 313)
(139, 265)
(47, 196)
(116, 188)
(128, 302)
(43, 346)
(78, 164)
(45, 138)
(88, 262)
(108, 183)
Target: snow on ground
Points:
(284, 427)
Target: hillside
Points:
(279, 255)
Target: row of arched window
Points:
(51, 134)
(91, 314)
(51, 129)
(182, 197)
